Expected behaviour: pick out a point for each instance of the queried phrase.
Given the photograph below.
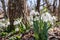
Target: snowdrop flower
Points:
(3, 19)
(31, 23)
(8, 23)
(33, 12)
(17, 21)
(17, 29)
(36, 18)
(2, 24)
(47, 17)
(55, 18)
(36, 13)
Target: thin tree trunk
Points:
(38, 6)
(54, 7)
(3, 5)
(48, 5)
(59, 11)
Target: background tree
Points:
(18, 7)
(38, 6)
(59, 11)
(11, 8)
(4, 8)
(21, 9)
(54, 10)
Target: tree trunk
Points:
(38, 6)
(22, 10)
(3, 5)
(48, 5)
(59, 11)
(54, 7)
(11, 8)
(18, 7)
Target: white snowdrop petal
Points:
(47, 17)
(17, 29)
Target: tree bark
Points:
(54, 7)
(22, 10)
(18, 7)
(38, 6)
(3, 5)
(59, 11)
(11, 8)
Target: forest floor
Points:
(53, 33)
